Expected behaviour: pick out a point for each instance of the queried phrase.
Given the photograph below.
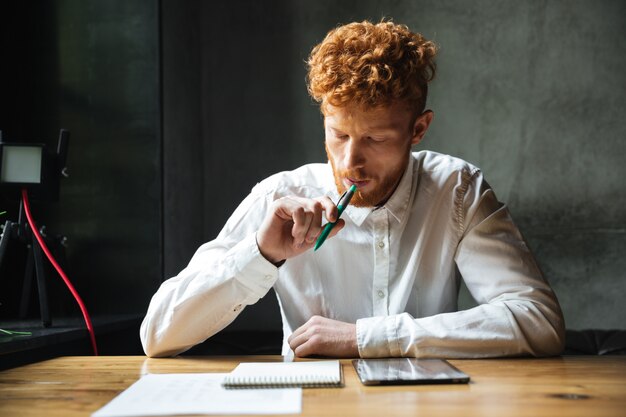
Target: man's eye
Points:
(376, 138)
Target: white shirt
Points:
(394, 270)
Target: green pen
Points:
(341, 205)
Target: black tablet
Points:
(407, 371)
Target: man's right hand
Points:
(292, 226)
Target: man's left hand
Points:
(325, 337)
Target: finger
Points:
(316, 223)
(285, 207)
(306, 344)
(301, 221)
(306, 349)
(330, 209)
(300, 336)
(310, 225)
(297, 341)
(304, 332)
(309, 343)
(296, 333)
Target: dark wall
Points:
(532, 92)
(226, 73)
(93, 68)
(227, 123)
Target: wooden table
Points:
(563, 386)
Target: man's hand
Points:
(292, 225)
(325, 337)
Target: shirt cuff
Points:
(377, 337)
(250, 267)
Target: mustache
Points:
(353, 174)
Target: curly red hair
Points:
(371, 65)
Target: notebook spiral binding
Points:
(304, 381)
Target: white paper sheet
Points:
(168, 394)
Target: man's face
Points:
(370, 148)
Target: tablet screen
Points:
(396, 371)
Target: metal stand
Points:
(21, 232)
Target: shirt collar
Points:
(397, 204)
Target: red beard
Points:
(383, 187)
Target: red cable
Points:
(54, 263)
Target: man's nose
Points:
(354, 157)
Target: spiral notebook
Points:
(285, 374)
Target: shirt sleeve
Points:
(518, 313)
(223, 277)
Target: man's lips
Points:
(358, 182)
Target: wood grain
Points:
(562, 386)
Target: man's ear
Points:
(421, 126)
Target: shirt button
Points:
(381, 244)
(381, 294)
(237, 307)
(268, 277)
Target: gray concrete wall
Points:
(532, 92)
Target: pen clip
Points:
(340, 198)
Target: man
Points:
(386, 281)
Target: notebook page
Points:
(276, 373)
